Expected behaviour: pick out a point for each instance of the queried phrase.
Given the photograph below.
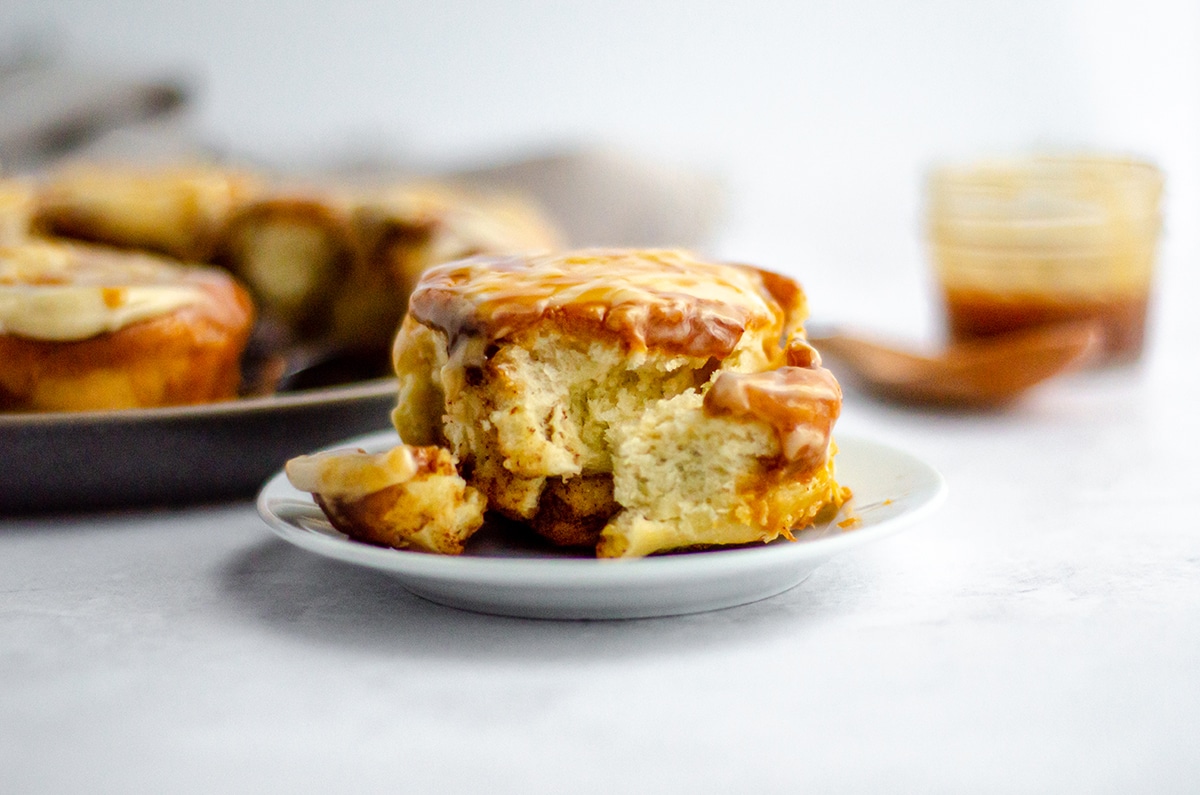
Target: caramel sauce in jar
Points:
(1046, 239)
(972, 314)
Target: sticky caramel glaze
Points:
(800, 403)
(789, 296)
(664, 300)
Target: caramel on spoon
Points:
(979, 373)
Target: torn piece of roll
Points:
(407, 497)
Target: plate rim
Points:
(580, 572)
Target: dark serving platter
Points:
(176, 455)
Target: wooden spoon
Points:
(980, 373)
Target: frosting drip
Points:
(800, 403)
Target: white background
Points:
(820, 117)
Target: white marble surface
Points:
(1041, 633)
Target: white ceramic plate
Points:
(892, 489)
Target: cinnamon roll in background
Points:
(85, 327)
(178, 211)
(328, 270)
(340, 265)
(326, 262)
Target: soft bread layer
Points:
(538, 409)
(407, 498)
(685, 479)
(576, 438)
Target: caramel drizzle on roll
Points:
(649, 299)
(800, 403)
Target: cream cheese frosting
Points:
(58, 292)
(352, 474)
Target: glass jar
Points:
(1031, 241)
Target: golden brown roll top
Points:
(658, 299)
